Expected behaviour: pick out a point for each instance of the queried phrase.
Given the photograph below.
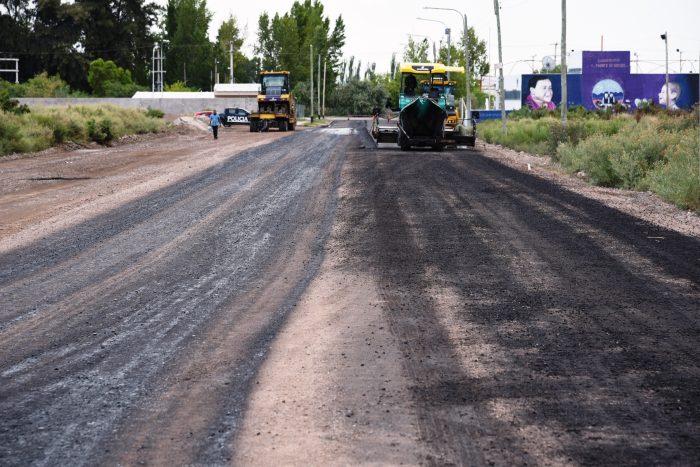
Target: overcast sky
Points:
(375, 29)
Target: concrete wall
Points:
(170, 105)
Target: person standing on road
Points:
(214, 121)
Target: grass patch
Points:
(44, 127)
(648, 151)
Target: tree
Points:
(57, 32)
(190, 55)
(357, 98)
(416, 52)
(120, 30)
(243, 70)
(265, 46)
(107, 79)
(284, 42)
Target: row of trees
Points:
(105, 47)
(64, 38)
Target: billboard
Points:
(606, 81)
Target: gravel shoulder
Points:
(644, 205)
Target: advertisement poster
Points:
(545, 90)
(606, 81)
(606, 76)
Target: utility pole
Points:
(318, 90)
(664, 36)
(501, 91)
(323, 106)
(564, 96)
(555, 51)
(680, 60)
(230, 53)
(311, 78)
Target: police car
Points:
(235, 116)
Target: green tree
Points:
(189, 55)
(58, 33)
(107, 79)
(284, 42)
(357, 98)
(416, 51)
(265, 46)
(120, 30)
(229, 31)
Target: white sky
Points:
(376, 28)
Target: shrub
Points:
(523, 135)
(11, 105)
(46, 126)
(108, 79)
(179, 86)
(591, 156)
(677, 177)
(154, 113)
(100, 131)
(43, 85)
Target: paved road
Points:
(537, 326)
(533, 325)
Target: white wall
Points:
(170, 106)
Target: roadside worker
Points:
(214, 121)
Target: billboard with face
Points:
(606, 81)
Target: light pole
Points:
(501, 90)
(564, 90)
(680, 60)
(636, 61)
(466, 56)
(230, 51)
(448, 32)
(664, 36)
(311, 78)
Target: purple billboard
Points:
(606, 80)
(605, 75)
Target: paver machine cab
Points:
(277, 106)
(445, 86)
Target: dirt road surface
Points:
(302, 298)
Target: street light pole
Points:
(230, 51)
(467, 98)
(664, 36)
(311, 78)
(501, 90)
(564, 90)
(448, 32)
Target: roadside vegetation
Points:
(22, 130)
(648, 151)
